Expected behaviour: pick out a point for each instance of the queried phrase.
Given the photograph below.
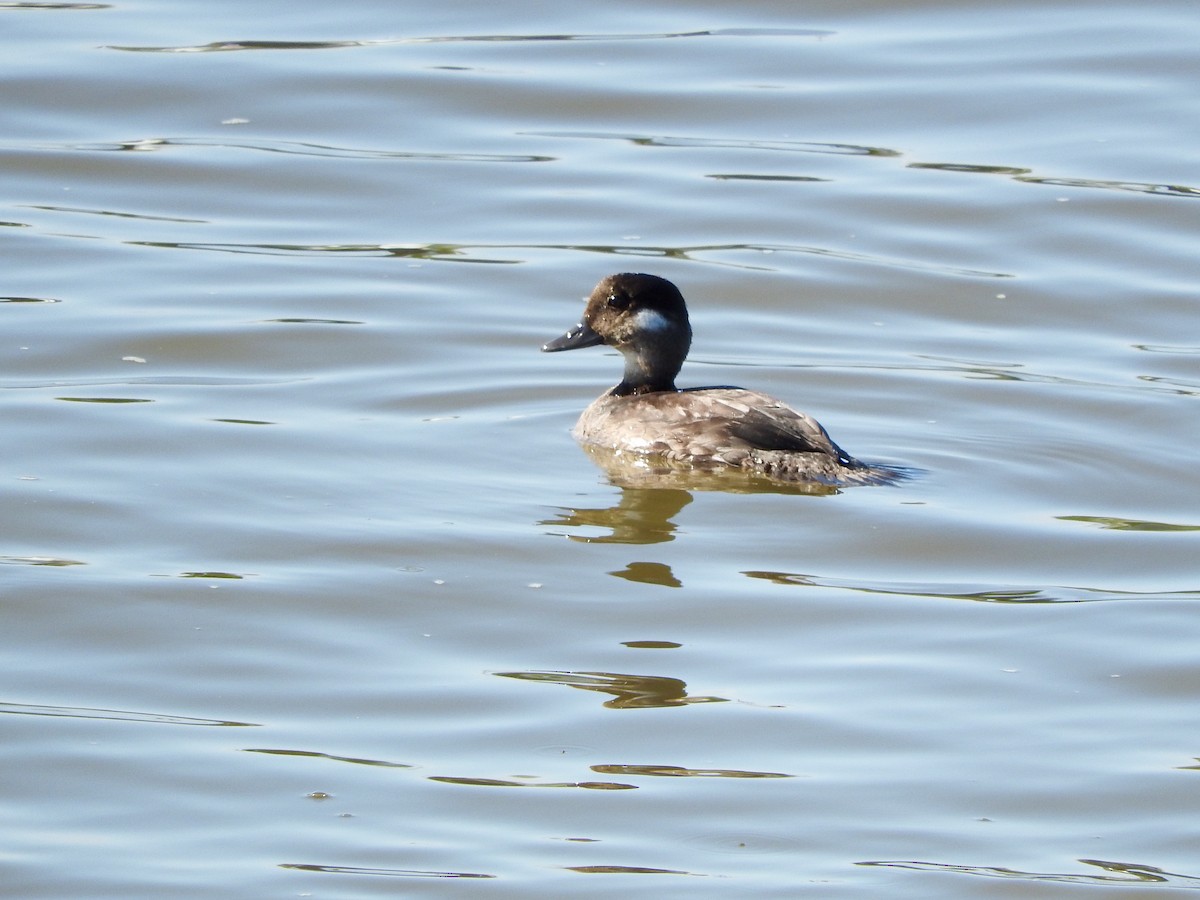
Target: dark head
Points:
(644, 317)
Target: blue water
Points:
(307, 590)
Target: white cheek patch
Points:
(651, 320)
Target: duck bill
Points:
(579, 336)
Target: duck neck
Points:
(647, 371)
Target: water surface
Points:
(307, 590)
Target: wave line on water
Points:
(158, 380)
(1125, 873)
(120, 715)
(452, 252)
(314, 754)
(293, 148)
(31, 4)
(114, 214)
(366, 870)
(651, 140)
(1019, 594)
(1026, 176)
(230, 46)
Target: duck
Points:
(645, 318)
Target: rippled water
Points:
(307, 590)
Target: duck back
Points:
(723, 426)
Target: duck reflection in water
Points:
(640, 517)
(628, 691)
(652, 496)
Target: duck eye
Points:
(618, 301)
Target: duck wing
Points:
(787, 430)
(764, 423)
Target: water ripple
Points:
(443, 251)
(749, 177)
(977, 592)
(52, 561)
(228, 46)
(1168, 190)
(650, 140)
(162, 380)
(83, 712)
(294, 148)
(1026, 176)
(24, 4)
(1003, 371)
(1187, 350)
(316, 755)
(626, 870)
(681, 772)
(1126, 873)
(1112, 523)
(395, 873)
(113, 213)
(505, 782)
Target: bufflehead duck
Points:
(644, 317)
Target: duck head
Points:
(644, 317)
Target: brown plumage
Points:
(645, 317)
